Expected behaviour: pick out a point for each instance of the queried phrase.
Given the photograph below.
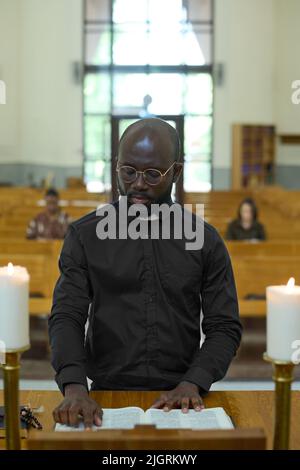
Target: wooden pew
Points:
(14, 218)
(286, 202)
(40, 307)
(254, 274)
(266, 248)
(220, 209)
(24, 195)
(43, 247)
(258, 265)
(252, 308)
(39, 270)
(39, 257)
(9, 232)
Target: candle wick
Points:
(10, 269)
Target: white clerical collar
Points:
(153, 216)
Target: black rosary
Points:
(28, 417)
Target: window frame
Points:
(113, 69)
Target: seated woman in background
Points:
(52, 223)
(246, 226)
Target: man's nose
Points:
(140, 182)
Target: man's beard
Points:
(164, 198)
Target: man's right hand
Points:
(77, 402)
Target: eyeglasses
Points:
(151, 176)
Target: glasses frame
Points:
(162, 175)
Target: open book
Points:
(128, 417)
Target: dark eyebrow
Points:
(125, 163)
(148, 168)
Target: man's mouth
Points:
(139, 199)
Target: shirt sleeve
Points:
(31, 231)
(221, 324)
(69, 313)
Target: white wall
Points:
(9, 73)
(51, 101)
(39, 41)
(244, 45)
(287, 60)
(258, 43)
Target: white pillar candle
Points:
(14, 307)
(283, 320)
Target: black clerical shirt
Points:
(142, 299)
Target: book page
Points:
(113, 418)
(210, 418)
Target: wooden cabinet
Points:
(253, 155)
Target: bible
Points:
(128, 417)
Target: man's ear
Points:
(177, 172)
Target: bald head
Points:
(149, 144)
(152, 129)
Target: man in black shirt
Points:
(142, 297)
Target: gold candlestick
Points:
(11, 369)
(283, 377)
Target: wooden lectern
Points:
(148, 437)
(251, 412)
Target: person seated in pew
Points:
(52, 223)
(246, 226)
(142, 297)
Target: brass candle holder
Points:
(11, 369)
(283, 377)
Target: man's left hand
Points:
(182, 396)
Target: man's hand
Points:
(181, 396)
(77, 402)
